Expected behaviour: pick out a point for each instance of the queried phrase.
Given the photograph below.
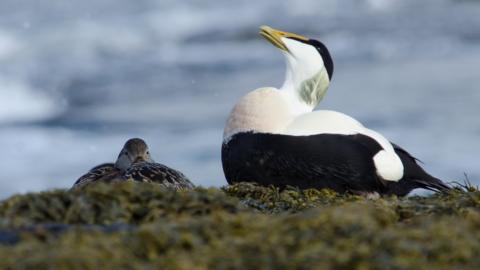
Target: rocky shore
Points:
(144, 226)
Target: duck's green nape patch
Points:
(314, 89)
(238, 227)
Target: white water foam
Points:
(19, 103)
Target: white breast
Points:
(388, 164)
(264, 110)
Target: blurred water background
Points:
(78, 78)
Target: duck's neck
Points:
(304, 95)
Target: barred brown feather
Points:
(158, 173)
(106, 172)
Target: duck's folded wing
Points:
(158, 173)
(104, 172)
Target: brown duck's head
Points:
(135, 150)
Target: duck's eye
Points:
(148, 152)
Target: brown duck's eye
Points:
(148, 152)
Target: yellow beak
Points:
(275, 36)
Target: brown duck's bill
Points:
(275, 36)
(139, 159)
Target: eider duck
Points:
(106, 172)
(152, 172)
(273, 136)
(134, 163)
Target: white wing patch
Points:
(388, 164)
(324, 121)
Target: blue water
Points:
(78, 78)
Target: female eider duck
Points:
(134, 163)
(273, 136)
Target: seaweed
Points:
(244, 226)
(101, 203)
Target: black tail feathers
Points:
(433, 184)
(414, 176)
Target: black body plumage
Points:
(343, 163)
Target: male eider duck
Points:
(134, 163)
(273, 136)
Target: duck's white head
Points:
(309, 66)
(135, 150)
(270, 110)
